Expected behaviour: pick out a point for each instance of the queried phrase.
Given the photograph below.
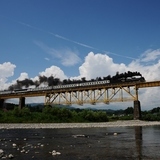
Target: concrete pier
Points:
(1, 103)
(21, 102)
(137, 110)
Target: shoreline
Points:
(125, 123)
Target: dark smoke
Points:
(42, 79)
(26, 83)
(50, 81)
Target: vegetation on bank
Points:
(48, 114)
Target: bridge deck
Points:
(136, 85)
(148, 84)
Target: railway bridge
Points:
(112, 92)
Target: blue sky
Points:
(76, 38)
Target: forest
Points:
(54, 114)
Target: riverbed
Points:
(84, 143)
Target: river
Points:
(112, 143)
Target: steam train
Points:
(129, 77)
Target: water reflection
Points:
(138, 141)
(97, 143)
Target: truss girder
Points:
(115, 92)
(93, 96)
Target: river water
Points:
(112, 143)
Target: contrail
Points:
(81, 44)
(120, 55)
(66, 39)
(57, 36)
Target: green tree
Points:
(129, 110)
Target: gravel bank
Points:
(77, 125)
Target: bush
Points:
(51, 114)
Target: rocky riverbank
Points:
(64, 141)
(77, 125)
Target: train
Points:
(104, 82)
(118, 78)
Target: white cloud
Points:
(6, 70)
(23, 76)
(66, 56)
(150, 71)
(54, 71)
(97, 64)
(102, 65)
(47, 59)
(150, 55)
(69, 58)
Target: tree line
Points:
(54, 114)
(50, 114)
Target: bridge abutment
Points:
(21, 102)
(1, 103)
(137, 110)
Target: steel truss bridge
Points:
(116, 92)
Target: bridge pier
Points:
(21, 102)
(137, 110)
(1, 103)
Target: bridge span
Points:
(99, 93)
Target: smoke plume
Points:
(26, 83)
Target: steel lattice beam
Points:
(116, 92)
(93, 96)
